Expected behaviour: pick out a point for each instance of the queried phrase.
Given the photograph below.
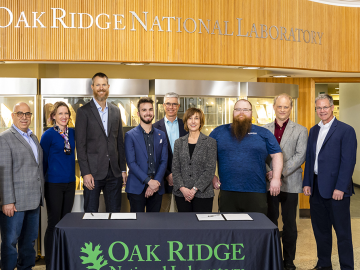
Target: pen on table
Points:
(92, 214)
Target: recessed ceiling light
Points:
(250, 68)
(134, 64)
(337, 88)
(280, 76)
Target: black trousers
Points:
(233, 201)
(59, 199)
(138, 202)
(289, 202)
(196, 204)
(111, 187)
(326, 213)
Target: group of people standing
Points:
(258, 167)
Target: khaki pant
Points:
(166, 202)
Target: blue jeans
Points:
(21, 229)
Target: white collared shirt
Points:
(104, 115)
(324, 129)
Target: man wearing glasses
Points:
(330, 162)
(174, 129)
(242, 152)
(21, 190)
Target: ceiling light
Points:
(280, 76)
(337, 88)
(250, 68)
(134, 64)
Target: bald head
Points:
(21, 105)
(20, 120)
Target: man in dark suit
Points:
(100, 148)
(330, 162)
(146, 154)
(174, 129)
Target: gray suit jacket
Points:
(94, 148)
(195, 172)
(21, 178)
(293, 145)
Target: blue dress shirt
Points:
(104, 115)
(27, 137)
(172, 130)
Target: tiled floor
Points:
(306, 246)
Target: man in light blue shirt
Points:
(104, 115)
(173, 128)
(21, 190)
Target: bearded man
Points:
(100, 148)
(242, 152)
(146, 152)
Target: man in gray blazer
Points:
(100, 148)
(292, 138)
(21, 190)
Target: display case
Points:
(261, 96)
(13, 91)
(215, 98)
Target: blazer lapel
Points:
(185, 147)
(37, 146)
(97, 116)
(157, 138)
(162, 127)
(316, 135)
(287, 133)
(331, 131)
(140, 138)
(26, 144)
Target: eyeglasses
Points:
(21, 114)
(243, 110)
(171, 104)
(322, 108)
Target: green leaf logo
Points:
(92, 257)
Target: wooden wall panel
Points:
(306, 111)
(339, 50)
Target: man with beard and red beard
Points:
(242, 152)
(100, 148)
(146, 153)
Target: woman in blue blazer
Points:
(58, 144)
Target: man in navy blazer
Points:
(330, 162)
(146, 155)
(174, 129)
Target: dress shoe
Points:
(289, 266)
(322, 268)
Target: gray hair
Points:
(325, 96)
(172, 95)
(284, 95)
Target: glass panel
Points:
(218, 111)
(263, 111)
(6, 108)
(128, 113)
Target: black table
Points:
(166, 241)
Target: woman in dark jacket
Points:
(58, 144)
(194, 165)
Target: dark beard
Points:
(146, 122)
(240, 128)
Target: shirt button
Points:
(150, 154)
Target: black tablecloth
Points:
(166, 241)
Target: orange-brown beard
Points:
(241, 127)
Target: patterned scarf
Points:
(65, 135)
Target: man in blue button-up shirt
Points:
(21, 190)
(174, 129)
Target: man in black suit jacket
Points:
(100, 148)
(174, 129)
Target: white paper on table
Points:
(237, 217)
(96, 216)
(209, 217)
(123, 216)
